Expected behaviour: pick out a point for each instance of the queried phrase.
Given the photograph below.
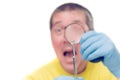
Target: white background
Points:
(25, 42)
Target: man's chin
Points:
(69, 68)
(68, 60)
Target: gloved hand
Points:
(97, 46)
(68, 78)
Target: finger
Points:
(100, 52)
(89, 42)
(86, 36)
(92, 48)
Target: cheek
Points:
(77, 47)
(56, 41)
(86, 28)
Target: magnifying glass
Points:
(73, 34)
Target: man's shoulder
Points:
(41, 71)
(47, 67)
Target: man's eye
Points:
(58, 30)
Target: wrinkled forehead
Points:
(68, 15)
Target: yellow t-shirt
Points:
(94, 71)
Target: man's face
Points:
(61, 46)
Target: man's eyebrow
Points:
(56, 23)
(77, 21)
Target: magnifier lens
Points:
(74, 32)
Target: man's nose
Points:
(65, 40)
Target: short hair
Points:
(71, 7)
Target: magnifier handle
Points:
(97, 60)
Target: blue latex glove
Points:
(97, 46)
(67, 78)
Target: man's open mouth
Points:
(68, 53)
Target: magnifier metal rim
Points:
(68, 27)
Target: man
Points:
(96, 56)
